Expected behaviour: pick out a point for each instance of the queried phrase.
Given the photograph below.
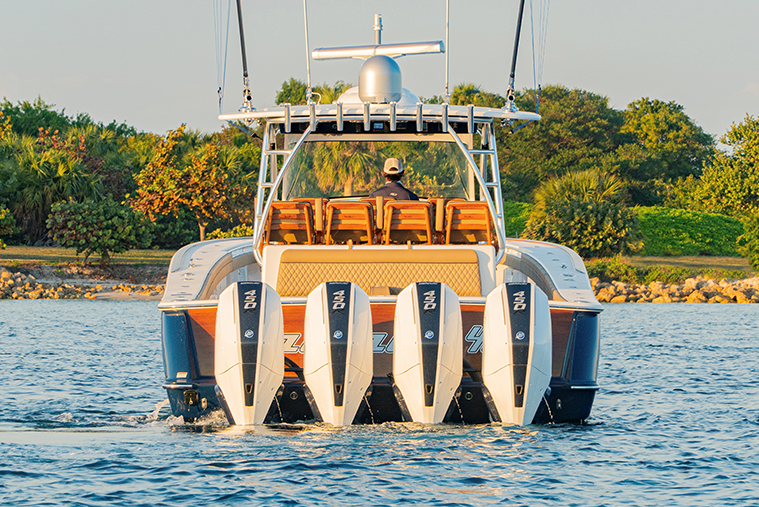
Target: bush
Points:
(103, 227)
(515, 216)
(584, 211)
(7, 224)
(241, 231)
(668, 231)
(749, 241)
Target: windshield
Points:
(354, 169)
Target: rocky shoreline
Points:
(693, 290)
(20, 285)
(25, 285)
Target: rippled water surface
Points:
(84, 421)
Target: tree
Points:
(40, 172)
(577, 128)
(586, 212)
(103, 227)
(294, 92)
(669, 134)
(7, 224)
(198, 181)
(730, 185)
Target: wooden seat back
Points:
(408, 221)
(468, 222)
(319, 208)
(349, 221)
(289, 223)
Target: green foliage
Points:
(749, 241)
(731, 184)
(294, 92)
(680, 146)
(181, 176)
(240, 231)
(584, 211)
(29, 117)
(577, 127)
(668, 231)
(7, 224)
(612, 269)
(103, 227)
(515, 216)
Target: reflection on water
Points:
(85, 421)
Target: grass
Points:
(17, 255)
(695, 263)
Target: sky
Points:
(153, 64)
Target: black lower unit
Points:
(566, 403)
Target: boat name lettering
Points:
(474, 336)
(291, 343)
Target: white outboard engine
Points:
(338, 361)
(249, 357)
(516, 351)
(427, 350)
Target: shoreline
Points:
(96, 283)
(76, 282)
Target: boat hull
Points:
(188, 345)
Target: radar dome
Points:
(379, 80)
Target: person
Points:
(393, 172)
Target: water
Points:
(83, 421)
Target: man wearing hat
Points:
(393, 172)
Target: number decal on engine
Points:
(519, 301)
(338, 300)
(429, 301)
(250, 302)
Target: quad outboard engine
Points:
(338, 362)
(249, 358)
(427, 350)
(516, 351)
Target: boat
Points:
(349, 309)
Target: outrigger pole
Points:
(510, 92)
(247, 106)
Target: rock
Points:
(720, 298)
(662, 299)
(696, 297)
(619, 299)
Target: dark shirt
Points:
(396, 190)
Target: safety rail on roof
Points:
(478, 120)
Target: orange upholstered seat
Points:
(349, 221)
(289, 222)
(468, 222)
(408, 221)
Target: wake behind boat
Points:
(347, 309)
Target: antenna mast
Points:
(510, 92)
(246, 105)
(447, 95)
(308, 55)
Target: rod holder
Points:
(288, 122)
(445, 118)
(470, 118)
(392, 116)
(367, 118)
(312, 114)
(339, 116)
(419, 117)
